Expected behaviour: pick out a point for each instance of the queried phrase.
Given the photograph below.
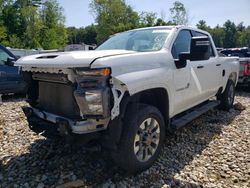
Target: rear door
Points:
(199, 80)
(207, 74)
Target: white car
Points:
(130, 90)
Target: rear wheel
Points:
(227, 97)
(142, 138)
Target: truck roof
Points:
(170, 27)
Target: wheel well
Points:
(233, 76)
(157, 97)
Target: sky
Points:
(78, 14)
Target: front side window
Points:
(182, 43)
(3, 56)
(138, 40)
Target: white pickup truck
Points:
(130, 90)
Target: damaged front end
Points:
(77, 100)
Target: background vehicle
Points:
(130, 90)
(11, 81)
(244, 58)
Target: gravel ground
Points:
(212, 151)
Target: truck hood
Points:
(67, 59)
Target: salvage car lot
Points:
(212, 151)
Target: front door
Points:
(9, 76)
(182, 76)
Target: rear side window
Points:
(182, 43)
(197, 34)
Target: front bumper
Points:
(66, 126)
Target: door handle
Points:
(218, 65)
(200, 67)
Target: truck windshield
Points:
(138, 40)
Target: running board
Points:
(189, 116)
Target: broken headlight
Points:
(94, 101)
(93, 72)
(92, 93)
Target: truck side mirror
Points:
(10, 61)
(182, 61)
(200, 48)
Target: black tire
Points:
(227, 97)
(136, 117)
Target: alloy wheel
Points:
(147, 139)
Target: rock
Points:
(26, 185)
(235, 179)
(77, 183)
(44, 177)
(10, 178)
(60, 181)
(73, 177)
(40, 185)
(212, 180)
(162, 181)
(165, 186)
(106, 185)
(239, 106)
(224, 175)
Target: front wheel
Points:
(142, 138)
(227, 97)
